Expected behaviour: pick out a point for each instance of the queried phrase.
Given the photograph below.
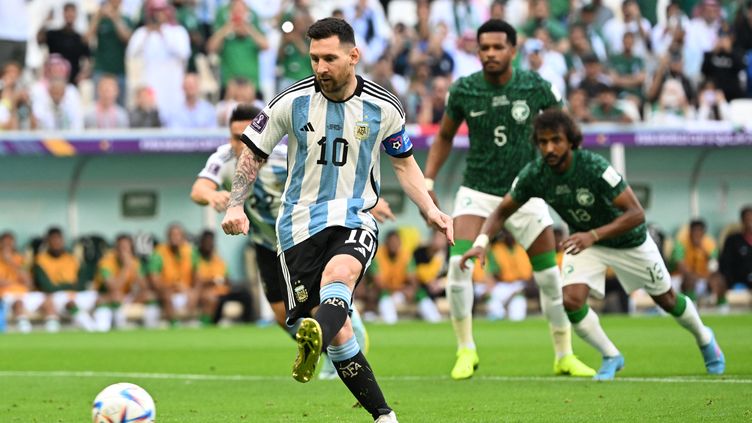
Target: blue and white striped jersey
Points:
(333, 154)
(262, 206)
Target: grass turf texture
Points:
(242, 374)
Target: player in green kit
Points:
(608, 226)
(498, 105)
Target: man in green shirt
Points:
(237, 40)
(108, 34)
(608, 225)
(498, 105)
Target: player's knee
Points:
(340, 272)
(573, 300)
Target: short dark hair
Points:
(244, 111)
(329, 27)
(746, 209)
(54, 230)
(697, 223)
(123, 236)
(554, 120)
(497, 25)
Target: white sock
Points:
(103, 318)
(151, 315)
(388, 310)
(428, 310)
(84, 321)
(690, 320)
(121, 319)
(360, 330)
(460, 295)
(552, 304)
(517, 310)
(590, 330)
(495, 305)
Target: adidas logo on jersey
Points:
(307, 127)
(361, 250)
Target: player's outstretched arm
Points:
(411, 179)
(235, 221)
(491, 226)
(439, 151)
(632, 217)
(204, 192)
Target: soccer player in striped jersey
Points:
(498, 104)
(609, 231)
(335, 121)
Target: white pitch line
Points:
(258, 378)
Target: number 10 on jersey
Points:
(339, 152)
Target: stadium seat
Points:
(741, 110)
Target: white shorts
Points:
(84, 300)
(31, 301)
(525, 224)
(638, 267)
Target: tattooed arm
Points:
(235, 221)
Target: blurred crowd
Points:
(75, 64)
(99, 285)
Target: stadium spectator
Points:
(211, 278)
(604, 108)
(588, 21)
(540, 17)
(293, 51)
(703, 30)
(417, 90)
(673, 106)
(670, 67)
(628, 72)
(603, 14)
(578, 106)
(466, 59)
(403, 39)
(593, 77)
(370, 25)
(108, 36)
(185, 15)
(58, 274)
(238, 40)
(383, 74)
(696, 258)
(68, 43)
(427, 269)
(743, 29)
(172, 268)
(144, 114)
(15, 283)
(536, 61)
(106, 113)
(239, 90)
(579, 48)
(457, 16)
(552, 57)
(55, 67)
(163, 48)
(120, 281)
(14, 32)
(712, 103)
(664, 33)
(510, 272)
(736, 255)
(432, 107)
(195, 112)
(390, 273)
(631, 20)
(15, 104)
(722, 65)
(60, 109)
(433, 52)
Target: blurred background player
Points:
(172, 268)
(609, 230)
(211, 278)
(58, 274)
(120, 281)
(498, 104)
(16, 284)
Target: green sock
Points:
(543, 261)
(722, 300)
(681, 305)
(577, 315)
(205, 320)
(691, 295)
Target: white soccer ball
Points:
(123, 402)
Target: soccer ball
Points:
(123, 402)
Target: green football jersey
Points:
(583, 195)
(499, 118)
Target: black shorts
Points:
(268, 266)
(303, 265)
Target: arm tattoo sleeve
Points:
(245, 175)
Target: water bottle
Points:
(2, 316)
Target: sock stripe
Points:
(577, 315)
(336, 290)
(345, 351)
(680, 306)
(544, 261)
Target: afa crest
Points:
(362, 130)
(520, 111)
(585, 197)
(301, 293)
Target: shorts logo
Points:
(569, 269)
(520, 111)
(467, 201)
(259, 122)
(301, 293)
(584, 197)
(362, 130)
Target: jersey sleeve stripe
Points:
(379, 89)
(387, 99)
(257, 151)
(303, 83)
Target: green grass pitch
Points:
(242, 374)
